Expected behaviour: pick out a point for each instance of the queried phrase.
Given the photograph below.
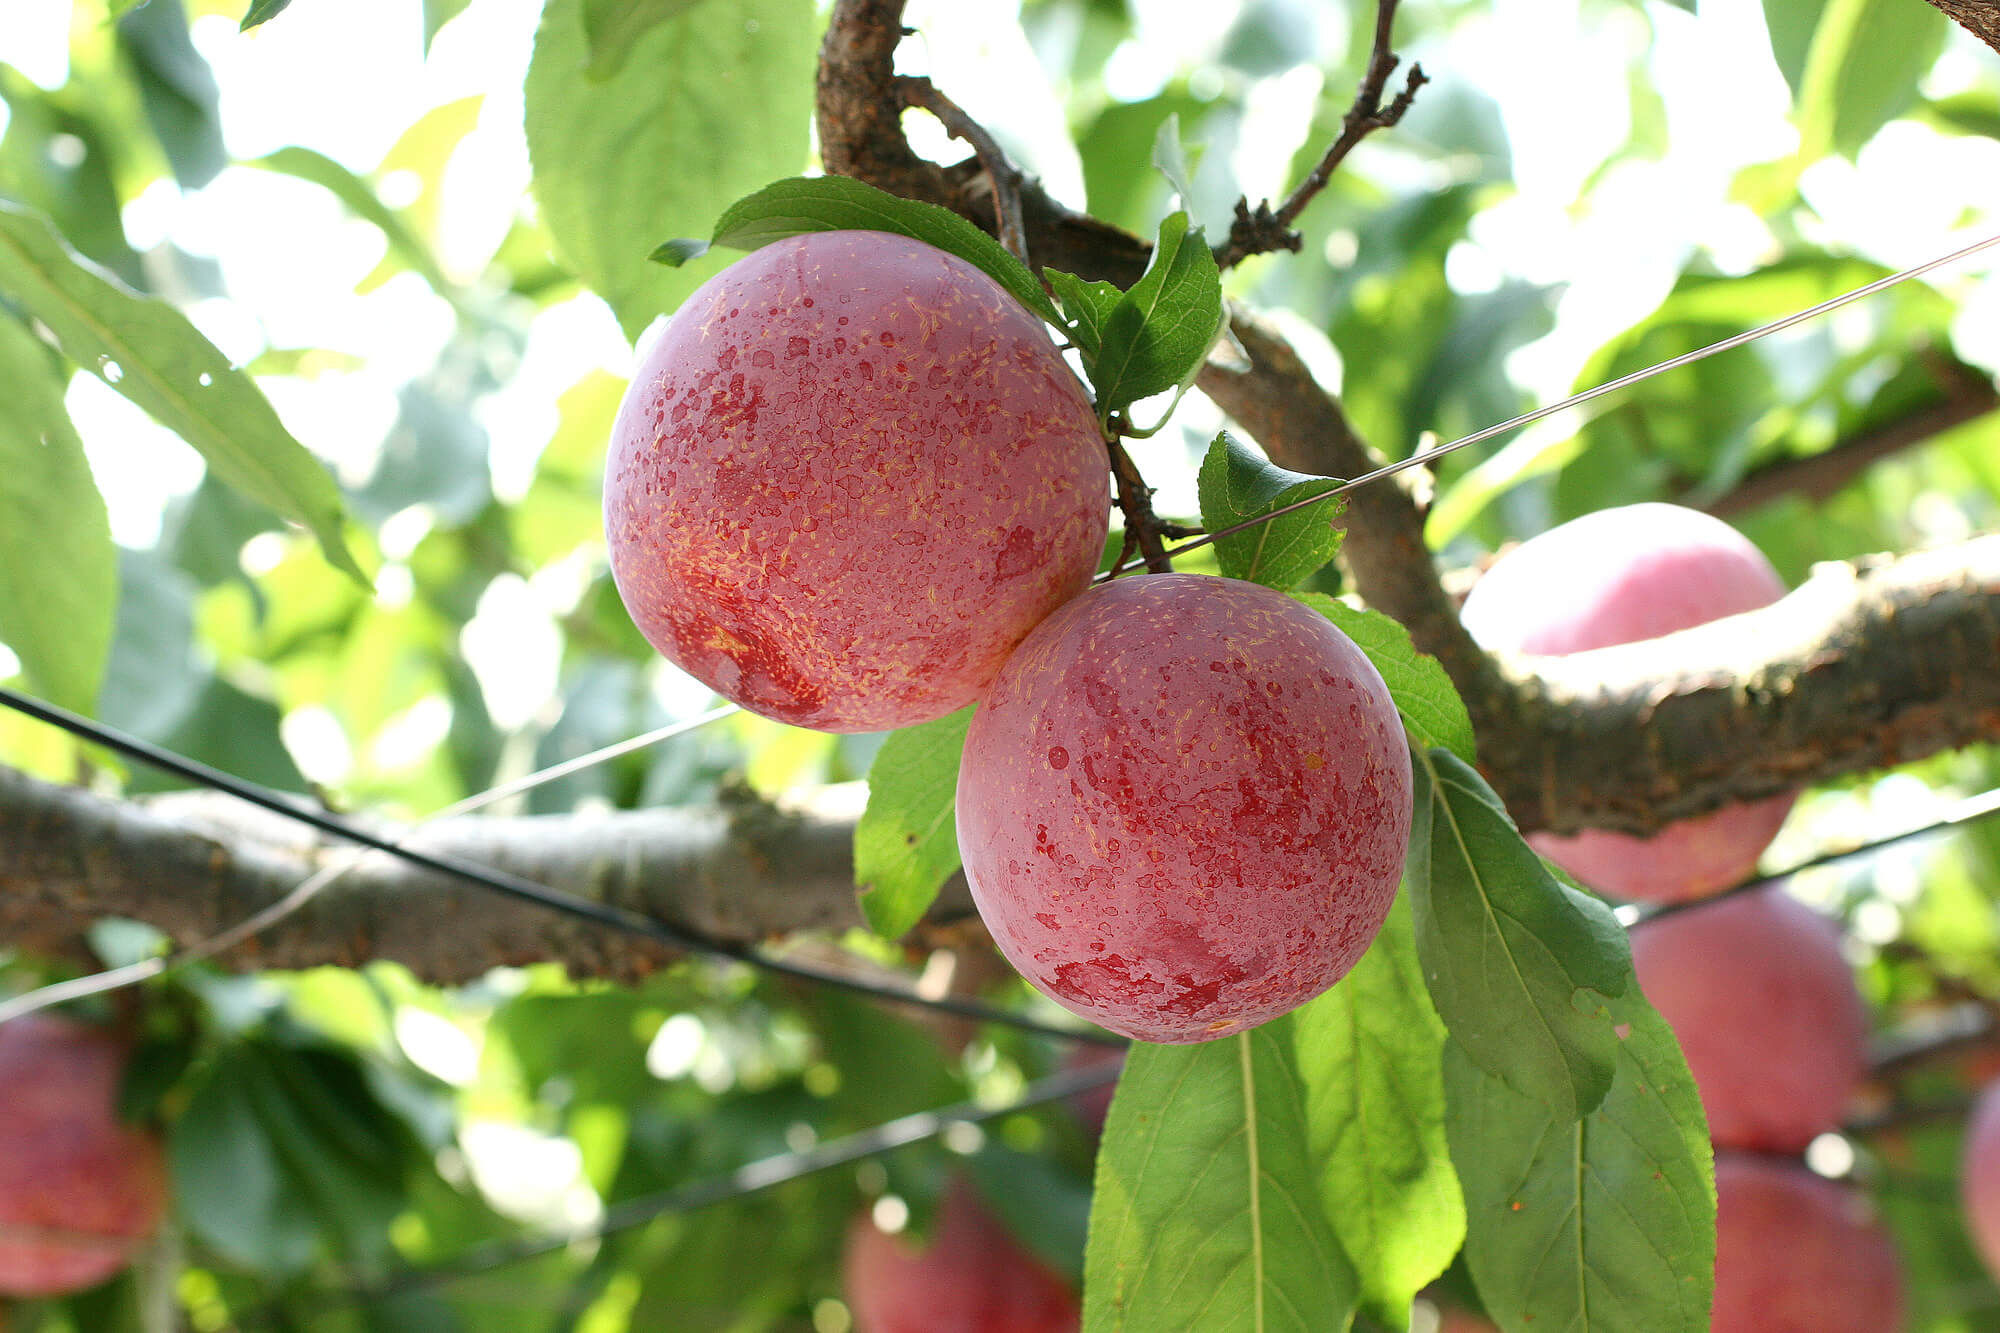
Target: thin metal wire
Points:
(752, 1178)
(1961, 812)
(1423, 456)
(519, 886)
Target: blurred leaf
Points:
(1607, 1223)
(1206, 1213)
(1368, 1053)
(230, 729)
(723, 94)
(150, 353)
(437, 13)
(1237, 483)
(906, 842)
(1860, 69)
(78, 189)
(311, 165)
(837, 203)
(58, 568)
(177, 89)
(1159, 333)
(612, 26)
(1122, 134)
(1518, 965)
(1424, 695)
(1975, 111)
(151, 680)
(1170, 158)
(1046, 1207)
(231, 1185)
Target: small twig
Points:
(1261, 230)
(1001, 172)
(1135, 501)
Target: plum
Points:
(1619, 576)
(973, 1277)
(1184, 806)
(850, 474)
(1795, 1253)
(1979, 1176)
(1767, 1013)
(79, 1190)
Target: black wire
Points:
(1753, 884)
(518, 886)
(753, 1178)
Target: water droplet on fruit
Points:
(1058, 757)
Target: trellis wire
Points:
(752, 1178)
(519, 886)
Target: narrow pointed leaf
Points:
(1604, 1224)
(58, 567)
(906, 842)
(1238, 483)
(838, 203)
(150, 353)
(1369, 1052)
(1518, 965)
(1432, 712)
(1207, 1213)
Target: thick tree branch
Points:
(193, 865)
(1981, 18)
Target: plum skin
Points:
(1766, 1011)
(1618, 576)
(1184, 807)
(67, 1164)
(973, 1277)
(849, 475)
(1795, 1253)
(1979, 1176)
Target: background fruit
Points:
(1979, 1176)
(973, 1277)
(1766, 1010)
(1795, 1253)
(1617, 576)
(78, 1189)
(849, 475)
(1184, 806)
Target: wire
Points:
(1423, 456)
(1961, 812)
(753, 1178)
(520, 887)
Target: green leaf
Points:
(838, 203)
(308, 164)
(1236, 483)
(1518, 965)
(1086, 308)
(1159, 333)
(1861, 70)
(1170, 159)
(437, 13)
(706, 107)
(262, 11)
(1432, 712)
(1368, 1051)
(58, 567)
(230, 1183)
(1206, 1212)
(149, 352)
(906, 842)
(1605, 1223)
(177, 89)
(611, 27)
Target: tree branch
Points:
(1981, 18)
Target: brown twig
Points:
(1135, 501)
(1261, 230)
(1001, 173)
(1981, 18)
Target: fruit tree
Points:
(643, 647)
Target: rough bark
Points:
(1981, 18)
